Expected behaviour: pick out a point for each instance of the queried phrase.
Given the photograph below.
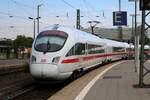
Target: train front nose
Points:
(44, 71)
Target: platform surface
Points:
(120, 83)
(115, 84)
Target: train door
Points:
(80, 52)
(76, 53)
(109, 52)
(105, 53)
(95, 54)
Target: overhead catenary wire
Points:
(23, 7)
(15, 16)
(92, 8)
(18, 3)
(40, 1)
(87, 6)
(75, 8)
(68, 4)
(11, 15)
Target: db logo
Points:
(43, 60)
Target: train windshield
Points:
(50, 41)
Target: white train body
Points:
(58, 52)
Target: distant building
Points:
(5, 43)
(3, 39)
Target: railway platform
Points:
(118, 82)
(12, 63)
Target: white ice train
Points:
(59, 52)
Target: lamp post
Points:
(38, 16)
(136, 40)
(132, 34)
(33, 26)
(137, 62)
(119, 27)
(133, 16)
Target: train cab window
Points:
(94, 49)
(50, 41)
(77, 49)
(118, 49)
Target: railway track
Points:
(38, 92)
(9, 95)
(45, 90)
(19, 93)
(26, 88)
(17, 83)
(30, 91)
(16, 88)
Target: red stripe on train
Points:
(100, 56)
(89, 58)
(70, 60)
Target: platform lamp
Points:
(34, 19)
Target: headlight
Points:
(55, 60)
(33, 59)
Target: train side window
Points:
(94, 49)
(118, 49)
(77, 49)
(91, 49)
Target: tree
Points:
(22, 41)
(147, 40)
(29, 42)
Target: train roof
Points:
(115, 43)
(80, 35)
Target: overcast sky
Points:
(14, 14)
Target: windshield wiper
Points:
(48, 46)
